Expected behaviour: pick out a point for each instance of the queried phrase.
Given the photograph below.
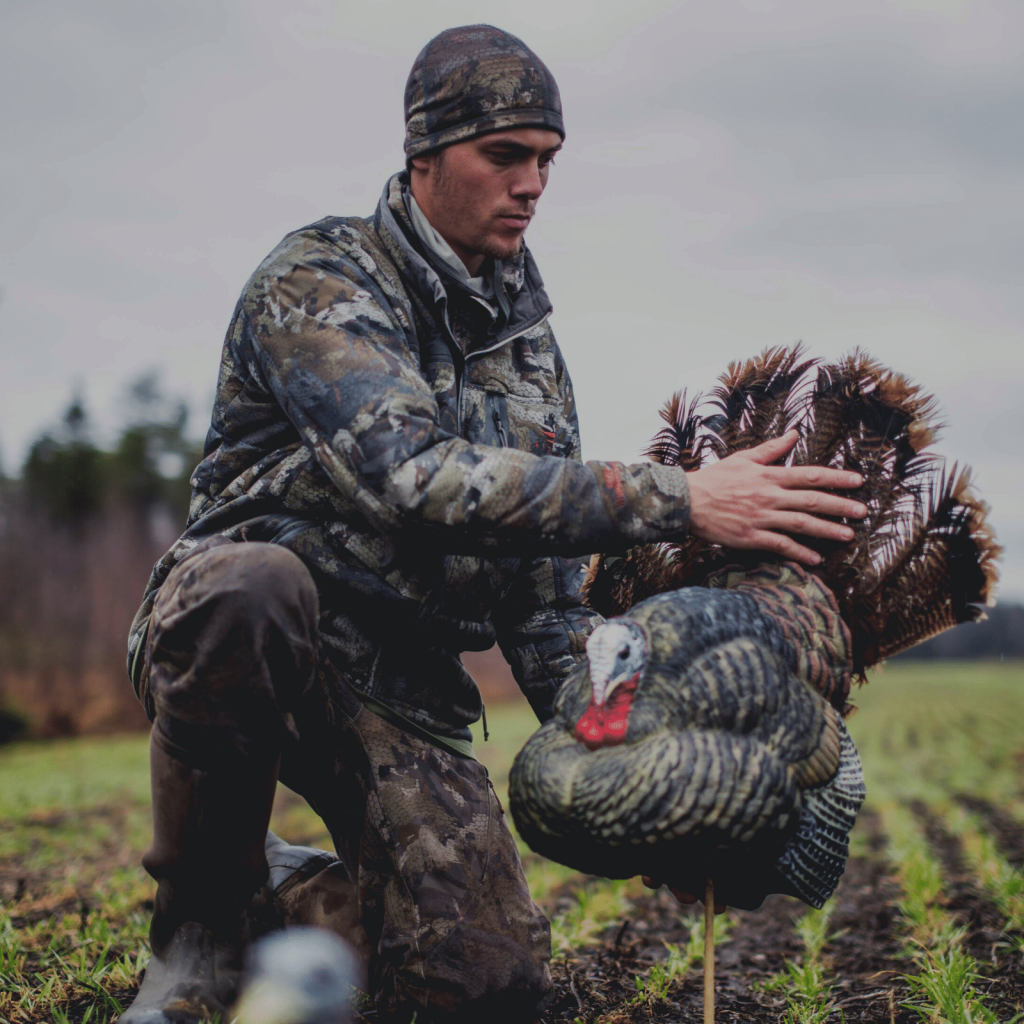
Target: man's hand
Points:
(686, 898)
(746, 502)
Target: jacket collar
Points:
(524, 302)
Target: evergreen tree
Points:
(153, 459)
(150, 464)
(64, 471)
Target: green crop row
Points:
(806, 981)
(944, 985)
(1002, 883)
(654, 986)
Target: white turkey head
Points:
(299, 976)
(617, 652)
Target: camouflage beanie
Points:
(472, 80)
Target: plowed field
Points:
(928, 922)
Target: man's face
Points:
(480, 195)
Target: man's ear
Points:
(422, 164)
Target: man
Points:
(392, 477)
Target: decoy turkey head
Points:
(617, 652)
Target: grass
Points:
(655, 985)
(926, 730)
(56, 776)
(805, 983)
(1000, 880)
(945, 990)
(808, 992)
(593, 907)
(75, 819)
(75, 910)
(944, 984)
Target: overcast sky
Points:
(735, 175)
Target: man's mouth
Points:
(517, 221)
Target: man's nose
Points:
(529, 183)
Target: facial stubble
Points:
(447, 190)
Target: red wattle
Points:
(590, 728)
(605, 725)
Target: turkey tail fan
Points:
(860, 416)
(922, 560)
(859, 408)
(615, 583)
(646, 570)
(754, 401)
(758, 400)
(680, 443)
(934, 570)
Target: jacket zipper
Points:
(502, 437)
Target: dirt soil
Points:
(1003, 988)
(1008, 834)
(593, 984)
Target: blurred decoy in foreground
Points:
(299, 976)
(703, 738)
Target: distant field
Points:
(928, 923)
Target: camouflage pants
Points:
(430, 887)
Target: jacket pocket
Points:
(533, 425)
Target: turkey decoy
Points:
(299, 976)
(704, 737)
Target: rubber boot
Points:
(209, 829)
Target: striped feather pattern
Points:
(727, 733)
(814, 860)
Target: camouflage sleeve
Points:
(543, 627)
(340, 360)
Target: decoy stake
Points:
(709, 952)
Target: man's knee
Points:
(232, 639)
(241, 584)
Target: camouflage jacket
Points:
(422, 457)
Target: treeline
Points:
(80, 530)
(1001, 635)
